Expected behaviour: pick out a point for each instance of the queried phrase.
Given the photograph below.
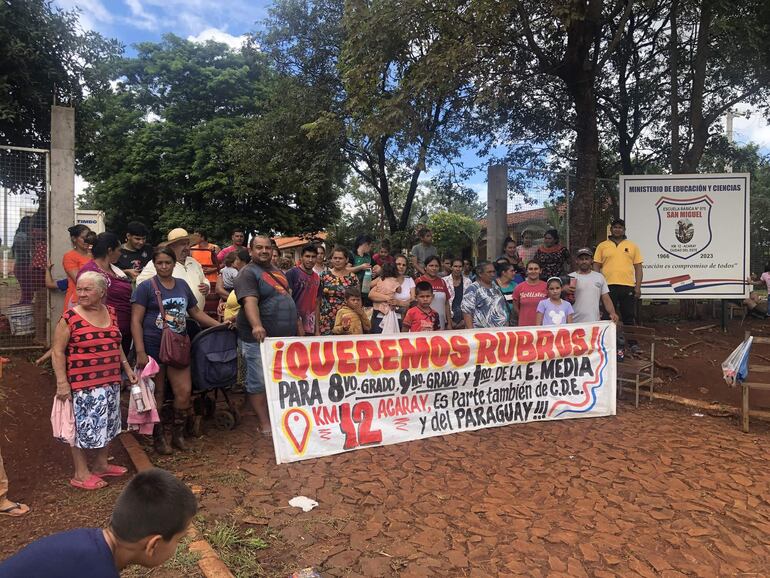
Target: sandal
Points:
(94, 482)
(112, 471)
(23, 509)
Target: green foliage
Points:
(197, 136)
(453, 232)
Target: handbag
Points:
(174, 347)
(63, 420)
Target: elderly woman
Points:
(179, 303)
(484, 304)
(87, 360)
(106, 252)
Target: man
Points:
(186, 267)
(620, 261)
(422, 250)
(267, 310)
(305, 284)
(589, 287)
(206, 254)
(468, 270)
(238, 238)
(7, 507)
(446, 266)
(135, 252)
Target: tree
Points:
(360, 54)
(453, 232)
(169, 148)
(45, 60)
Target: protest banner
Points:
(335, 394)
(692, 231)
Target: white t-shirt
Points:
(588, 293)
(406, 287)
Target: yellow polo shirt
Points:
(618, 261)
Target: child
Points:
(351, 318)
(422, 317)
(554, 310)
(152, 514)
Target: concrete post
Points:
(497, 209)
(61, 198)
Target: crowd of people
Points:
(121, 298)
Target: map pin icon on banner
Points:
(296, 427)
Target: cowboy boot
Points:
(159, 441)
(178, 431)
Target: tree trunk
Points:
(384, 188)
(587, 149)
(673, 57)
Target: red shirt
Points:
(382, 259)
(437, 283)
(415, 317)
(93, 353)
(528, 296)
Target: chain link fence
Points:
(24, 186)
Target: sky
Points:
(133, 21)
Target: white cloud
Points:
(140, 17)
(92, 12)
(217, 35)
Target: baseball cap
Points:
(584, 251)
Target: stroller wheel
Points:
(224, 420)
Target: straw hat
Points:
(175, 235)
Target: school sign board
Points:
(693, 233)
(341, 393)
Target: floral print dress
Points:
(333, 297)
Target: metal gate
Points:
(24, 253)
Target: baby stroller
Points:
(214, 371)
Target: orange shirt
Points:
(206, 258)
(72, 260)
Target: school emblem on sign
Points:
(684, 225)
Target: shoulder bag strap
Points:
(160, 301)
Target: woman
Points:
(509, 252)
(74, 260)
(552, 257)
(179, 303)
(404, 297)
(22, 255)
(505, 281)
(528, 295)
(526, 251)
(320, 261)
(87, 360)
(440, 303)
(334, 281)
(383, 294)
(483, 304)
(458, 284)
(106, 252)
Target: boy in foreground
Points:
(151, 515)
(422, 317)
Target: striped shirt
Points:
(93, 353)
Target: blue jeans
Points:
(255, 378)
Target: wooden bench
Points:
(748, 385)
(638, 369)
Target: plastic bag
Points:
(735, 368)
(63, 420)
(389, 323)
